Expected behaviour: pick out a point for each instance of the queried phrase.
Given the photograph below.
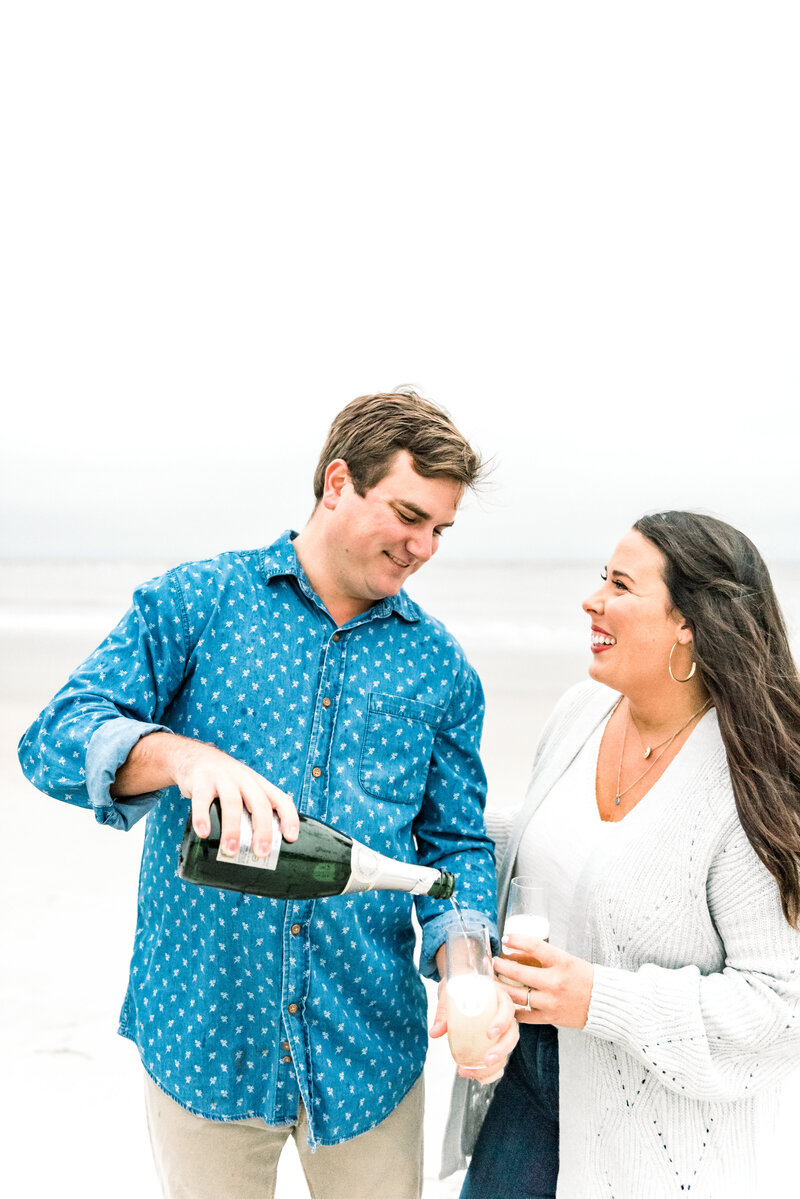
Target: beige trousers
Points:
(213, 1159)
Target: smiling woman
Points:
(663, 818)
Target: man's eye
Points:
(406, 519)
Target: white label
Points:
(245, 856)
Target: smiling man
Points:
(297, 676)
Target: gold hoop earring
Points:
(669, 667)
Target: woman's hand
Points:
(557, 992)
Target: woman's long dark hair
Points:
(719, 583)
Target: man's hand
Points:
(204, 773)
(502, 1031)
(557, 992)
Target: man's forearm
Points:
(150, 765)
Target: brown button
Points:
(316, 772)
(326, 703)
(293, 1009)
(285, 1045)
(287, 1060)
(295, 929)
(335, 637)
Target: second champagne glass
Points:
(526, 915)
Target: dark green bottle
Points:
(322, 861)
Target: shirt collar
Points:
(280, 560)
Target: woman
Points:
(663, 816)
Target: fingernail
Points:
(231, 846)
(202, 829)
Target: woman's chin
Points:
(598, 670)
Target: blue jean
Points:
(516, 1156)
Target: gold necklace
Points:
(666, 744)
(648, 749)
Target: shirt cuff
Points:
(435, 932)
(109, 747)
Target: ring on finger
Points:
(528, 998)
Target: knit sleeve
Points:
(722, 1035)
(499, 826)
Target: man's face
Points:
(381, 538)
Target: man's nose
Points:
(422, 545)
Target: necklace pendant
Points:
(647, 752)
(617, 799)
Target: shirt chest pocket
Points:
(397, 746)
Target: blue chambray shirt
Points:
(239, 1005)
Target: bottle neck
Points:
(370, 871)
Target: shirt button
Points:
(335, 637)
(285, 1045)
(293, 1009)
(316, 772)
(326, 703)
(287, 1060)
(295, 929)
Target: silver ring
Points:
(528, 1000)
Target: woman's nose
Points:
(593, 603)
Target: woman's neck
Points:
(663, 712)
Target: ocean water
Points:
(525, 605)
(520, 623)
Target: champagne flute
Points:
(527, 915)
(471, 991)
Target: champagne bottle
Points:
(322, 861)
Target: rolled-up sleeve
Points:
(118, 695)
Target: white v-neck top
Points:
(563, 834)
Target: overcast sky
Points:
(574, 225)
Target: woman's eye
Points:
(620, 586)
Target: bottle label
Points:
(245, 856)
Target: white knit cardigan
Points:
(672, 1087)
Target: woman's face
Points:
(633, 623)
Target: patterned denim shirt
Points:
(239, 1005)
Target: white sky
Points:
(574, 225)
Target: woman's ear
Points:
(685, 636)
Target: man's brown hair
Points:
(373, 429)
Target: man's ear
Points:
(336, 477)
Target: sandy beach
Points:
(69, 886)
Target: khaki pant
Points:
(213, 1159)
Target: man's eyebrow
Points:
(422, 514)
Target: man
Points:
(300, 672)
